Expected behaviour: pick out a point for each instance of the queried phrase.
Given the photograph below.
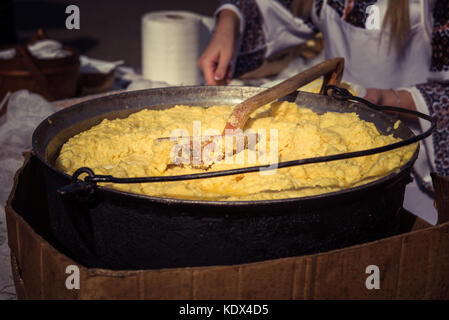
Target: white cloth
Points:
(90, 65)
(281, 28)
(42, 49)
(25, 111)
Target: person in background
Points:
(403, 62)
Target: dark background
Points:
(109, 30)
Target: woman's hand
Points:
(390, 97)
(215, 60)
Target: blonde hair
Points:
(396, 21)
(301, 8)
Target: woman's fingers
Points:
(229, 74)
(215, 64)
(223, 65)
(207, 63)
(373, 95)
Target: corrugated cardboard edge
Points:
(441, 187)
(414, 265)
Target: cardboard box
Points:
(411, 265)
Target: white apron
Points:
(369, 61)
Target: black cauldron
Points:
(119, 230)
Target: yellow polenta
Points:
(127, 148)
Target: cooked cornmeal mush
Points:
(130, 148)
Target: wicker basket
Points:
(54, 79)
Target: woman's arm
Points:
(252, 37)
(214, 62)
(236, 20)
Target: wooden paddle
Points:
(331, 69)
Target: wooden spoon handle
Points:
(332, 70)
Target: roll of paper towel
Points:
(172, 42)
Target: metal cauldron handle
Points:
(88, 186)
